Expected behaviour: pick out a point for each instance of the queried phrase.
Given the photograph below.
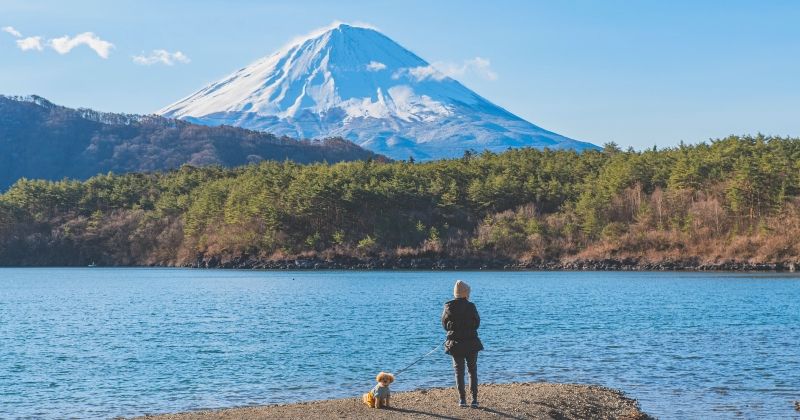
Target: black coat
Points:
(461, 320)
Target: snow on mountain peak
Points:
(352, 81)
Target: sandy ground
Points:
(507, 401)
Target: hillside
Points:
(45, 141)
(732, 203)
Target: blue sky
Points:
(640, 73)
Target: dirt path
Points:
(508, 401)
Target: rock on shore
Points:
(509, 401)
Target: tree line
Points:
(732, 198)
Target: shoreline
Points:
(305, 264)
(424, 263)
(464, 264)
(515, 400)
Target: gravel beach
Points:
(508, 401)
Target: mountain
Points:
(41, 140)
(358, 84)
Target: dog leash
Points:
(416, 361)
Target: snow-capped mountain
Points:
(354, 82)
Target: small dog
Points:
(378, 397)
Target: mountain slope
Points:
(41, 140)
(356, 83)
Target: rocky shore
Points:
(510, 401)
(443, 263)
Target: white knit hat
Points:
(461, 290)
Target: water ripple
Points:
(99, 343)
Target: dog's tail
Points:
(369, 399)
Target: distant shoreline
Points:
(517, 400)
(459, 264)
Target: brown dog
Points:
(378, 397)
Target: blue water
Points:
(99, 343)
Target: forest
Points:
(730, 199)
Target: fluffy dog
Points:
(378, 397)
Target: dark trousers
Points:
(471, 360)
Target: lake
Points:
(99, 343)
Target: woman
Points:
(460, 319)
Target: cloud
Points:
(478, 65)
(161, 57)
(442, 69)
(10, 30)
(65, 44)
(25, 44)
(362, 24)
(30, 43)
(425, 73)
(376, 66)
(61, 45)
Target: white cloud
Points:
(478, 65)
(376, 66)
(161, 57)
(10, 30)
(427, 72)
(483, 67)
(65, 44)
(442, 69)
(361, 24)
(30, 43)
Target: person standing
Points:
(461, 321)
